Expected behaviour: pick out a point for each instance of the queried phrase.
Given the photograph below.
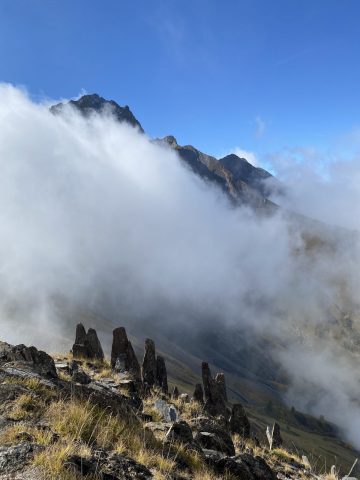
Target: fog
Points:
(96, 216)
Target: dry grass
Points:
(25, 406)
(12, 433)
(52, 462)
(241, 444)
(284, 455)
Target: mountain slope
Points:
(88, 104)
(257, 178)
(212, 170)
(242, 185)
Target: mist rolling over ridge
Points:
(97, 216)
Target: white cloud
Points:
(260, 127)
(95, 215)
(249, 156)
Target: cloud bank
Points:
(94, 215)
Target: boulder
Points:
(93, 346)
(276, 436)
(184, 398)
(257, 466)
(16, 457)
(167, 411)
(149, 364)
(214, 397)
(123, 357)
(87, 345)
(217, 439)
(79, 376)
(239, 422)
(80, 334)
(180, 432)
(244, 466)
(29, 358)
(161, 375)
(108, 467)
(198, 394)
(220, 381)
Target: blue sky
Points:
(259, 74)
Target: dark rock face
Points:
(87, 345)
(149, 364)
(175, 394)
(239, 422)
(198, 394)
(220, 381)
(276, 436)
(123, 355)
(249, 191)
(30, 357)
(89, 104)
(214, 400)
(257, 178)
(161, 375)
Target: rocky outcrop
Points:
(181, 433)
(79, 376)
(244, 466)
(221, 384)
(239, 422)
(161, 375)
(217, 439)
(276, 436)
(87, 345)
(175, 394)
(80, 334)
(149, 365)
(198, 395)
(108, 467)
(214, 396)
(93, 346)
(90, 104)
(29, 358)
(123, 357)
(16, 457)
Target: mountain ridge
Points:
(241, 185)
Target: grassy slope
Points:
(253, 391)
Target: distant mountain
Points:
(94, 103)
(242, 182)
(239, 190)
(257, 178)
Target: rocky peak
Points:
(88, 104)
(170, 140)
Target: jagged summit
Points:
(257, 178)
(95, 103)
